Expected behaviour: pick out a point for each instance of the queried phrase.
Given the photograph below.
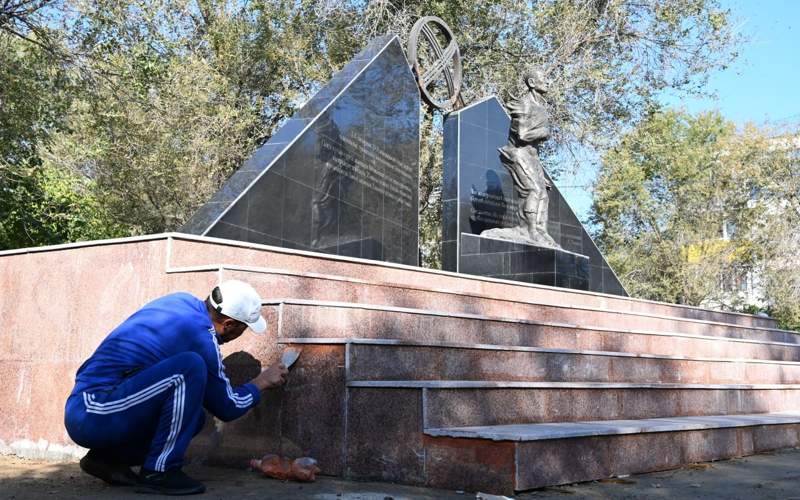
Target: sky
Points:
(762, 86)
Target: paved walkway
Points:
(769, 476)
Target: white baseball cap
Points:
(238, 300)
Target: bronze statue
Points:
(529, 128)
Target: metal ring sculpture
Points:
(447, 61)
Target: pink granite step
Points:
(387, 429)
(407, 360)
(311, 320)
(531, 456)
(477, 403)
(187, 251)
(316, 287)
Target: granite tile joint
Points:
(481, 384)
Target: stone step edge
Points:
(258, 270)
(512, 348)
(482, 384)
(169, 237)
(256, 246)
(566, 430)
(500, 319)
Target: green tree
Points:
(39, 204)
(170, 96)
(687, 206)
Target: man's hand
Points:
(273, 376)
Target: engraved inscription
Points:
(492, 209)
(377, 169)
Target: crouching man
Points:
(139, 399)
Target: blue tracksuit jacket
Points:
(144, 388)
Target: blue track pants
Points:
(149, 418)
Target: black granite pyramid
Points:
(341, 176)
(478, 194)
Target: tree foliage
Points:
(40, 203)
(163, 99)
(687, 207)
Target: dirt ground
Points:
(768, 476)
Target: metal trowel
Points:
(289, 356)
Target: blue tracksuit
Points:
(139, 398)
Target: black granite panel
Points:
(342, 175)
(497, 119)
(554, 201)
(203, 218)
(234, 187)
(470, 245)
(392, 241)
(491, 245)
(410, 246)
(392, 209)
(548, 279)
(373, 200)
(349, 224)
(410, 218)
(371, 249)
(449, 210)
(582, 268)
(450, 167)
(232, 232)
(566, 263)
(449, 257)
(565, 213)
(554, 230)
(532, 260)
(482, 264)
(339, 81)
(465, 222)
(265, 211)
(473, 144)
(228, 231)
(475, 115)
(596, 278)
(570, 238)
(297, 213)
(237, 215)
(263, 157)
(325, 216)
(372, 230)
(349, 248)
(610, 282)
(263, 239)
(487, 199)
(578, 283)
(289, 130)
(521, 262)
(590, 250)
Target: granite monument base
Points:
(413, 375)
(523, 262)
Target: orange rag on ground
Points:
(302, 469)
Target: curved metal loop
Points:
(447, 61)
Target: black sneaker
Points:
(170, 482)
(113, 474)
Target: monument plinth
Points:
(487, 256)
